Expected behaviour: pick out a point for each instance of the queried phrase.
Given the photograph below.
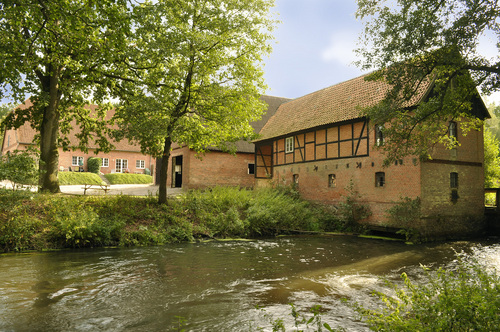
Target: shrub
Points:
(405, 214)
(20, 168)
(78, 178)
(122, 178)
(273, 211)
(465, 298)
(94, 165)
(351, 211)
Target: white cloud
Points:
(341, 48)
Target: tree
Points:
(491, 160)
(413, 43)
(201, 76)
(61, 53)
(4, 110)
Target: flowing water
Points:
(213, 286)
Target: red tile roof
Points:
(26, 133)
(340, 102)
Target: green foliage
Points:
(463, 298)
(301, 322)
(37, 221)
(94, 165)
(77, 178)
(274, 211)
(44, 54)
(201, 78)
(128, 178)
(4, 110)
(405, 214)
(491, 160)
(351, 211)
(412, 43)
(20, 168)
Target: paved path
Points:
(116, 189)
(122, 189)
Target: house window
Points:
(453, 180)
(105, 162)
(76, 161)
(296, 179)
(452, 130)
(332, 181)
(121, 165)
(289, 144)
(140, 164)
(379, 135)
(379, 179)
(251, 168)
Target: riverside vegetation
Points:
(33, 221)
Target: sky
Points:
(314, 47)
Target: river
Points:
(213, 286)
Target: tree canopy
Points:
(199, 75)
(62, 54)
(408, 43)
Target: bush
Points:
(78, 178)
(94, 165)
(20, 168)
(127, 178)
(465, 298)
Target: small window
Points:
(379, 135)
(296, 179)
(251, 168)
(332, 181)
(379, 179)
(76, 161)
(140, 164)
(453, 180)
(105, 162)
(452, 130)
(289, 144)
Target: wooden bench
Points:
(103, 187)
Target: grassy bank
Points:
(78, 178)
(31, 221)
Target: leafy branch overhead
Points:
(416, 43)
(198, 73)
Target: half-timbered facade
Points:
(322, 144)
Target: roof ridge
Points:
(334, 85)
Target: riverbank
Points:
(32, 221)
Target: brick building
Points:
(125, 157)
(217, 168)
(322, 143)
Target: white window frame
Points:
(289, 142)
(77, 161)
(140, 164)
(123, 165)
(104, 162)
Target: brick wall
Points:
(213, 169)
(465, 214)
(401, 180)
(65, 160)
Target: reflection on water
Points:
(214, 286)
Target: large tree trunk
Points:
(162, 190)
(49, 134)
